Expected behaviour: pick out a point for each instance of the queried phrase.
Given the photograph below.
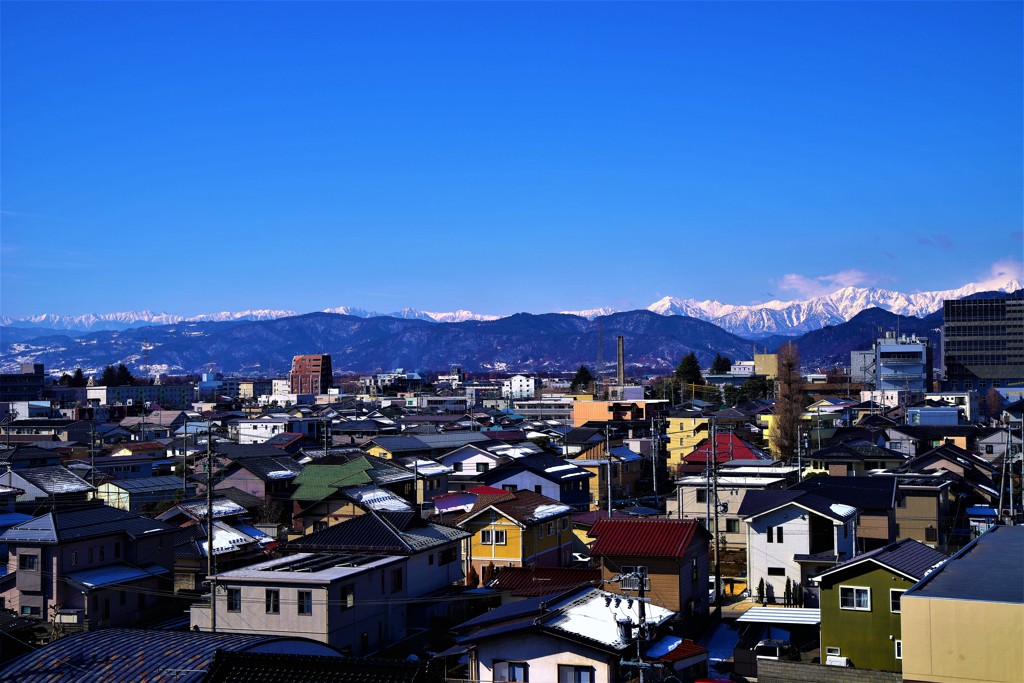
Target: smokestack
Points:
(621, 362)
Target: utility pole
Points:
(210, 565)
(655, 450)
(641, 636)
(184, 461)
(92, 452)
(608, 452)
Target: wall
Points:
(543, 653)
(957, 641)
(785, 672)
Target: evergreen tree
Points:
(688, 374)
(473, 580)
(731, 395)
(582, 379)
(753, 388)
(760, 591)
(78, 379)
(65, 380)
(124, 376)
(721, 365)
(109, 377)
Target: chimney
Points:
(621, 362)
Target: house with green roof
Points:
(328, 494)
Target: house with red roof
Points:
(671, 553)
(727, 447)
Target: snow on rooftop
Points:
(595, 616)
(281, 474)
(842, 510)
(559, 468)
(379, 499)
(544, 511)
(663, 646)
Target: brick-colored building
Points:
(310, 374)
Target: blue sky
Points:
(193, 157)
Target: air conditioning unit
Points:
(836, 660)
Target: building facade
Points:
(310, 374)
(983, 343)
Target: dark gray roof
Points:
(79, 523)
(868, 494)
(398, 444)
(546, 465)
(55, 479)
(758, 502)
(147, 484)
(235, 451)
(989, 569)
(258, 667)
(117, 655)
(906, 556)
(270, 468)
(391, 533)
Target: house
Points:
(359, 586)
(47, 486)
(516, 529)
(89, 567)
(671, 553)
(137, 495)
(236, 541)
(860, 602)
(261, 475)
(468, 464)
(626, 470)
(516, 583)
(585, 634)
(794, 535)
(546, 474)
(851, 459)
(388, 447)
(994, 444)
(964, 621)
(693, 493)
(874, 497)
(261, 429)
(328, 494)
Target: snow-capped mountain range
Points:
(772, 317)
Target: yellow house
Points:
(684, 435)
(626, 472)
(964, 622)
(517, 529)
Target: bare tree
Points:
(789, 402)
(993, 404)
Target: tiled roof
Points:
(115, 655)
(648, 537)
(55, 480)
(387, 533)
(728, 447)
(147, 484)
(81, 523)
(271, 468)
(525, 507)
(258, 667)
(400, 444)
(988, 569)
(318, 481)
(906, 556)
(527, 581)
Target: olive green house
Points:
(860, 603)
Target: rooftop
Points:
(996, 556)
(647, 537)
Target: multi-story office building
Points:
(903, 363)
(310, 374)
(983, 343)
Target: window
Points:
(28, 611)
(273, 600)
(481, 467)
(702, 495)
(575, 674)
(511, 488)
(305, 602)
(931, 534)
(551, 528)
(853, 597)
(348, 597)
(732, 526)
(693, 570)
(899, 649)
(396, 580)
(563, 523)
(538, 489)
(776, 571)
(74, 558)
(446, 556)
(831, 651)
(430, 559)
(456, 466)
(894, 600)
(771, 534)
(511, 671)
(492, 537)
(778, 534)
(29, 562)
(632, 583)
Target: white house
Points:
(794, 535)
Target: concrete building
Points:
(519, 386)
(983, 343)
(26, 385)
(177, 396)
(310, 374)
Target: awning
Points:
(781, 615)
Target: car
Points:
(711, 589)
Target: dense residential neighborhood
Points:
(753, 520)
